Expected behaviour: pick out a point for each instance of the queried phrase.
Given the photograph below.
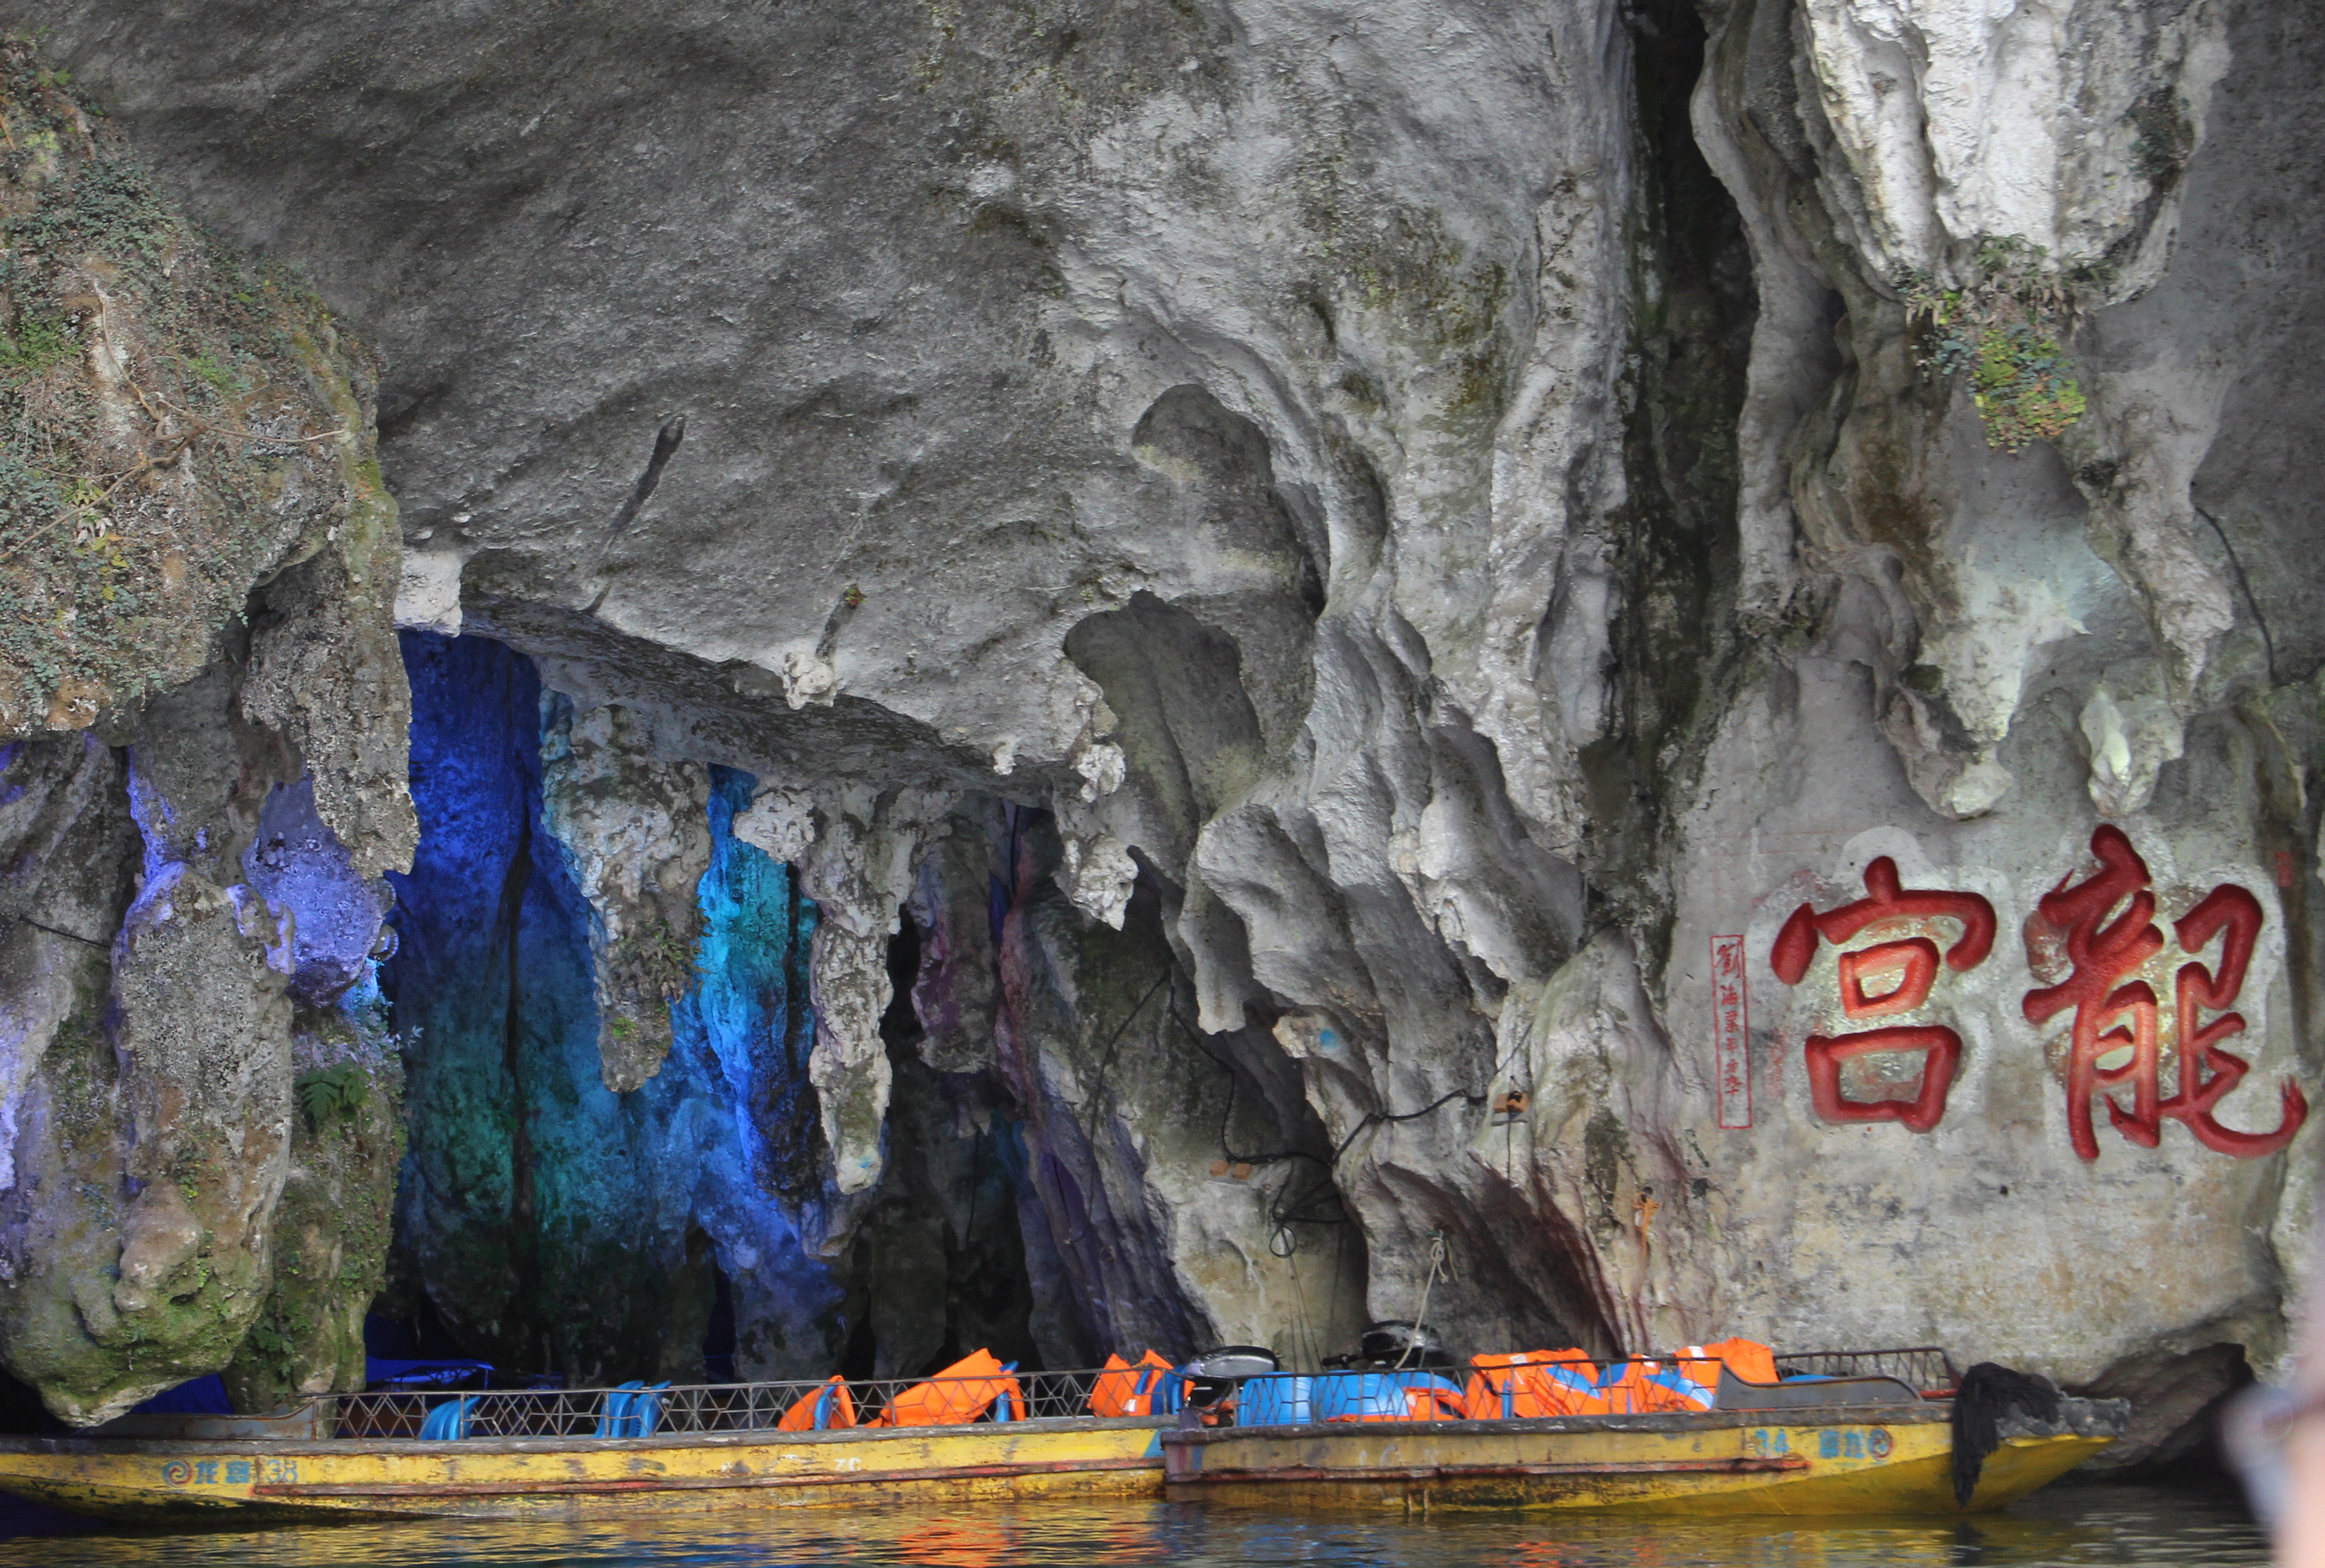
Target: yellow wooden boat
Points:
(579, 1455)
(1845, 1444)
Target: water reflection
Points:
(2070, 1527)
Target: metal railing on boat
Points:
(695, 1408)
(1565, 1383)
(1925, 1368)
(716, 1407)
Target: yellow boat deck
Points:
(1891, 1460)
(154, 1480)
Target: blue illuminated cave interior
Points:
(552, 1227)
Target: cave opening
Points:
(719, 1331)
(561, 1221)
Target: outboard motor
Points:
(1394, 1344)
(1215, 1373)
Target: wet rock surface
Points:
(1232, 635)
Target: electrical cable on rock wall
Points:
(1284, 1212)
(1281, 1242)
(1091, 1101)
(1291, 1256)
(1281, 1214)
(1106, 1062)
(1439, 1257)
(2236, 564)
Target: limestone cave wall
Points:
(1084, 676)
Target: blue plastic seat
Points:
(1374, 1395)
(447, 1423)
(614, 1419)
(645, 1409)
(632, 1410)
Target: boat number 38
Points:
(1831, 1442)
(233, 1472)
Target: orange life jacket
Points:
(831, 1401)
(959, 1395)
(1435, 1405)
(1664, 1387)
(1642, 1386)
(1533, 1384)
(1747, 1358)
(1129, 1387)
(1699, 1365)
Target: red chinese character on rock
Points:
(1914, 961)
(2104, 954)
(2207, 1073)
(1730, 1029)
(2103, 957)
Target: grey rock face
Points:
(2027, 634)
(154, 1088)
(1461, 520)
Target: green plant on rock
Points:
(2002, 331)
(2022, 388)
(333, 1223)
(35, 342)
(654, 958)
(221, 375)
(275, 1339)
(328, 1094)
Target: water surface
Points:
(2084, 1525)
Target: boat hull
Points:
(1804, 1462)
(225, 1482)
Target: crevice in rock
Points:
(718, 1339)
(2176, 1399)
(1186, 725)
(665, 447)
(524, 1243)
(1674, 640)
(938, 1267)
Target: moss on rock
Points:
(2004, 329)
(333, 1225)
(175, 419)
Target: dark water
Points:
(2080, 1525)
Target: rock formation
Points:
(205, 776)
(1085, 676)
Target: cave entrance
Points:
(674, 1227)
